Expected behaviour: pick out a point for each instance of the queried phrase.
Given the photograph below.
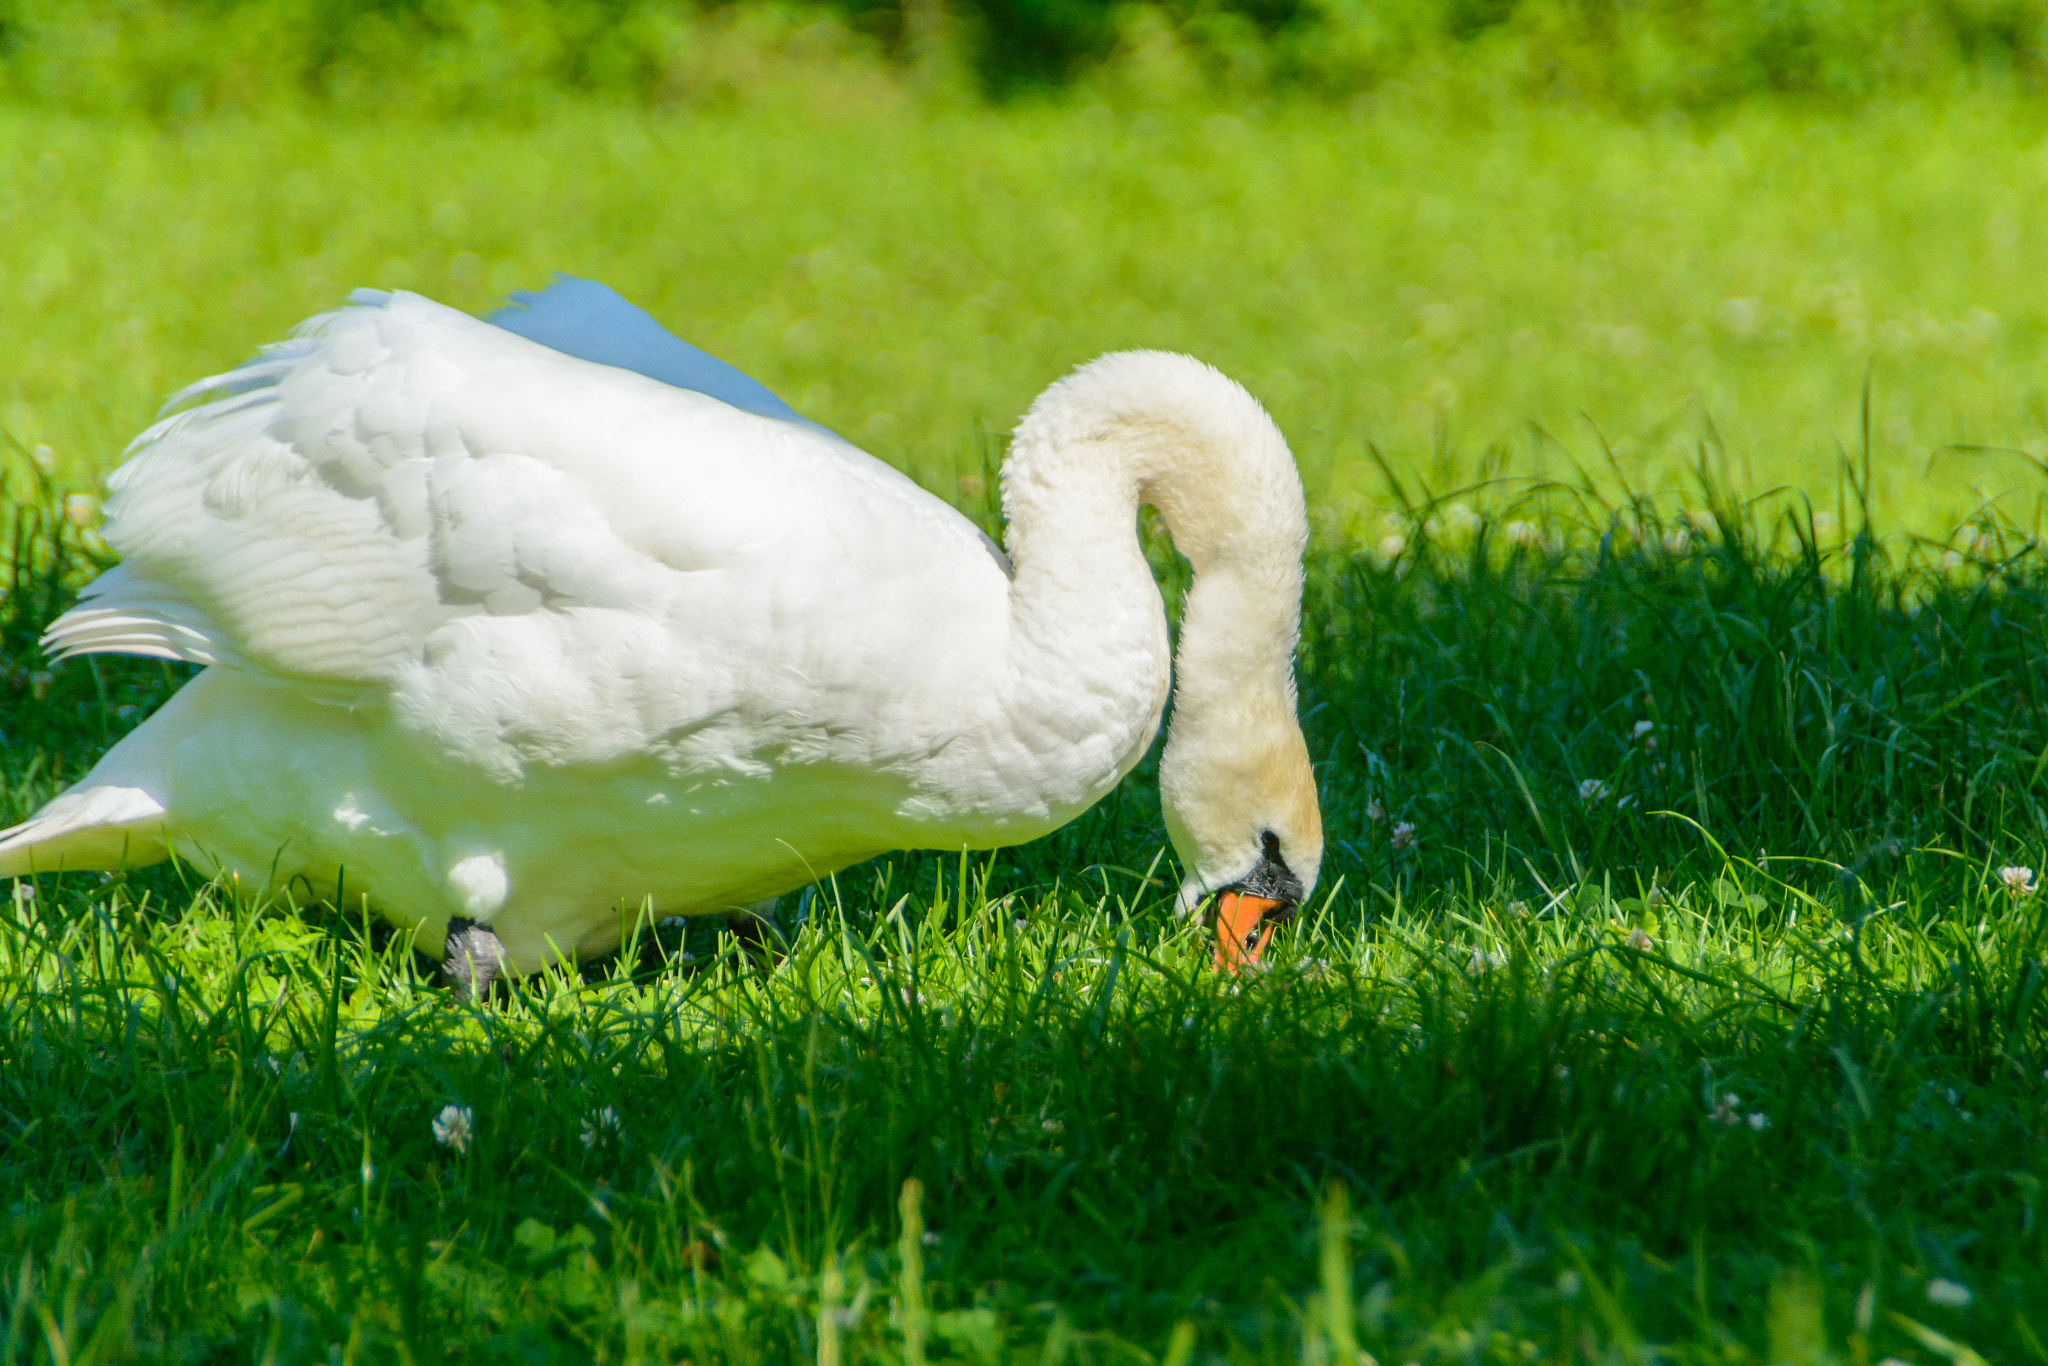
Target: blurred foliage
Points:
(1531, 285)
(174, 57)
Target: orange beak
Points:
(1240, 934)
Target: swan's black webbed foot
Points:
(759, 932)
(473, 958)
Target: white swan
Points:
(515, 626)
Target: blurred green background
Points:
(1472, 237)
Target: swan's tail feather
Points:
(99, 828)
(122, 612)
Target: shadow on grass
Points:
(1690, 1016)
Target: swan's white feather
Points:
(399, 466)
(100, 825)
(121, 612)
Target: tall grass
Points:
(1774, 676)
(1590, 1081)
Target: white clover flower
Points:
(2018, 882)
(1516, 910)
(1759, 1121)
(1403, 836)
(1522, 533)
(601, 1126)
(454, 1126)
(1949, 1294)
(1639, 940)
(1592, 791)
(1728, 1111)
(1052, 1126)
(45, 459)
(1390, 548)
(80, 509)
(1644, 733)
(1740, 316)
(1374, 812)
(1484, 961)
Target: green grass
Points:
(1453, 280)
(1784, 1123)
(1542, 366)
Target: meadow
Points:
(1466, 286)
(1673, 667)
(1673, 993)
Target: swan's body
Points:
(502, 634)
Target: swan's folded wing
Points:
(397, 465)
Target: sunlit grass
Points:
(1574, 1126)
(1701, 1048)
(1664, 997)
(1429, 275)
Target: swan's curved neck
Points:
(1089, 643)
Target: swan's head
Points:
(1241, 809)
